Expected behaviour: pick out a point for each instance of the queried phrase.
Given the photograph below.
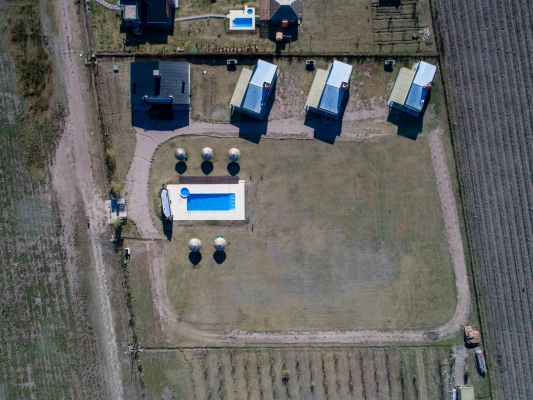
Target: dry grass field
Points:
(334, 26)
(342, 237)
(113, 92)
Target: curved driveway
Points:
(138, 210)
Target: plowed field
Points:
(485, 47)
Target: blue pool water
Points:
(250, 11)
(211, 202)
(184, 192)
(243, 22)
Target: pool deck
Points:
(242, 14)
(179, 204)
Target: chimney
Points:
(157, 73)
(266, 86)
(344, 86)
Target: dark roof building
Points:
(160, 82)
(254, 89)
(147, 13)
(328, 90)
(282, 12)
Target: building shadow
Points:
(219, 257)
(181, 167)
(167, 227)
(143, 119)
(150, 35)
(325, 129)
(195, 257)
(206, 167)
(251, 128)
(389, 3)
(234, 168)
(408, 125)
(289, 35)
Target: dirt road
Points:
(494, 115)
(72, 175)
(138, 203)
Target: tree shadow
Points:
(142, 119)
(219, 257)
(195, 257)
(234, 168)
(207, 167)
(181, 167)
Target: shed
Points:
(147, 13)
(160, 82)
(466, 393)
(327, 94)
(254, 89)
(412, 88)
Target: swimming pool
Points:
(211, 202)
(243, 22)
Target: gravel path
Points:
(74, 148)
(138, 210)
(486, 49)
(200, 17)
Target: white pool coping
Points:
(178, 204)
(241, 14)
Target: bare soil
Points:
(494, 146)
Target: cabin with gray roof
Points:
(280, 12)
(147, 13)
(254, 89)
(328, 90)
(164, 83)
(412, 87)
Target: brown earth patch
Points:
(369, 69)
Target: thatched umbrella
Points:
(181, 154)
(207, 153)
(220, 244)
(234, 155)
(195, 245)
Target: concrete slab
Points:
(179, 204)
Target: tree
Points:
(115, 188)
(117, 222)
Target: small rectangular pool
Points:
(243, 22)
(211, 202)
